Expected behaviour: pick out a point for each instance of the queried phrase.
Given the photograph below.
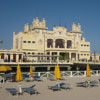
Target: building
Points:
(37, 43)
(95, 57)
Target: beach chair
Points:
(65, 86)
(13, 91)
(55, 88)
(52, 79)
(37, 78)
(93, 83)
(29, 80)
(83, 84)
(30, 90)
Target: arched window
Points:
(49, 43)
(59, 43)
(69, 43)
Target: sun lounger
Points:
(13, 91)
(65, 86)
(30, 90)
(88, 84)
(55, 88)
(93, 83)
(29, 80)
(52, 79)
(37, 78)
(83, 84)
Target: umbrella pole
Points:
(3, 80)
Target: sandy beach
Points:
(76, 93)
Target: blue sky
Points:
(15, 13)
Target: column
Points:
(5, 57)
(11, 57)
(50, 56)
(69, 55)
(65, 44)
(17, 58)
(58, 56)
(76, 56)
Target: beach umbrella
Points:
(5, 68)
(88, 73)
(57, 72)
(19, 74)
(31, 71)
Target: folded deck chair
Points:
(13, 91)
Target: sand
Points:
(76, 93)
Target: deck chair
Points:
(13, 91)
(65, 86)
(83, 84)
(93, 83)
(55, 88)
(29, 80)
(52, 79)
(30, 90)
(37, 78)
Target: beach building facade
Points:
(37, 43)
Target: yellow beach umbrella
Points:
(31, 71)
(88, 73)
(57, 72)
(5, 68)
(19, 74)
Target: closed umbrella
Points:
(31, 71)
(57, 72)
(19, 74)
(88, 73)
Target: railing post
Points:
(47, 75)
(71, 74)
(38, 73)
(97, 74)
(84, 73)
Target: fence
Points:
(67, 74)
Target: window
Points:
(85, 45)
(69, 43)
(81, 44)
(24, 41)
(87, 54)
(29, 41)
(59, 43)
(50, 43)
(33, 41)
(84, 54)
(59, 32)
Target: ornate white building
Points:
(37, 43)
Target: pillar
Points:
(69, 55)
